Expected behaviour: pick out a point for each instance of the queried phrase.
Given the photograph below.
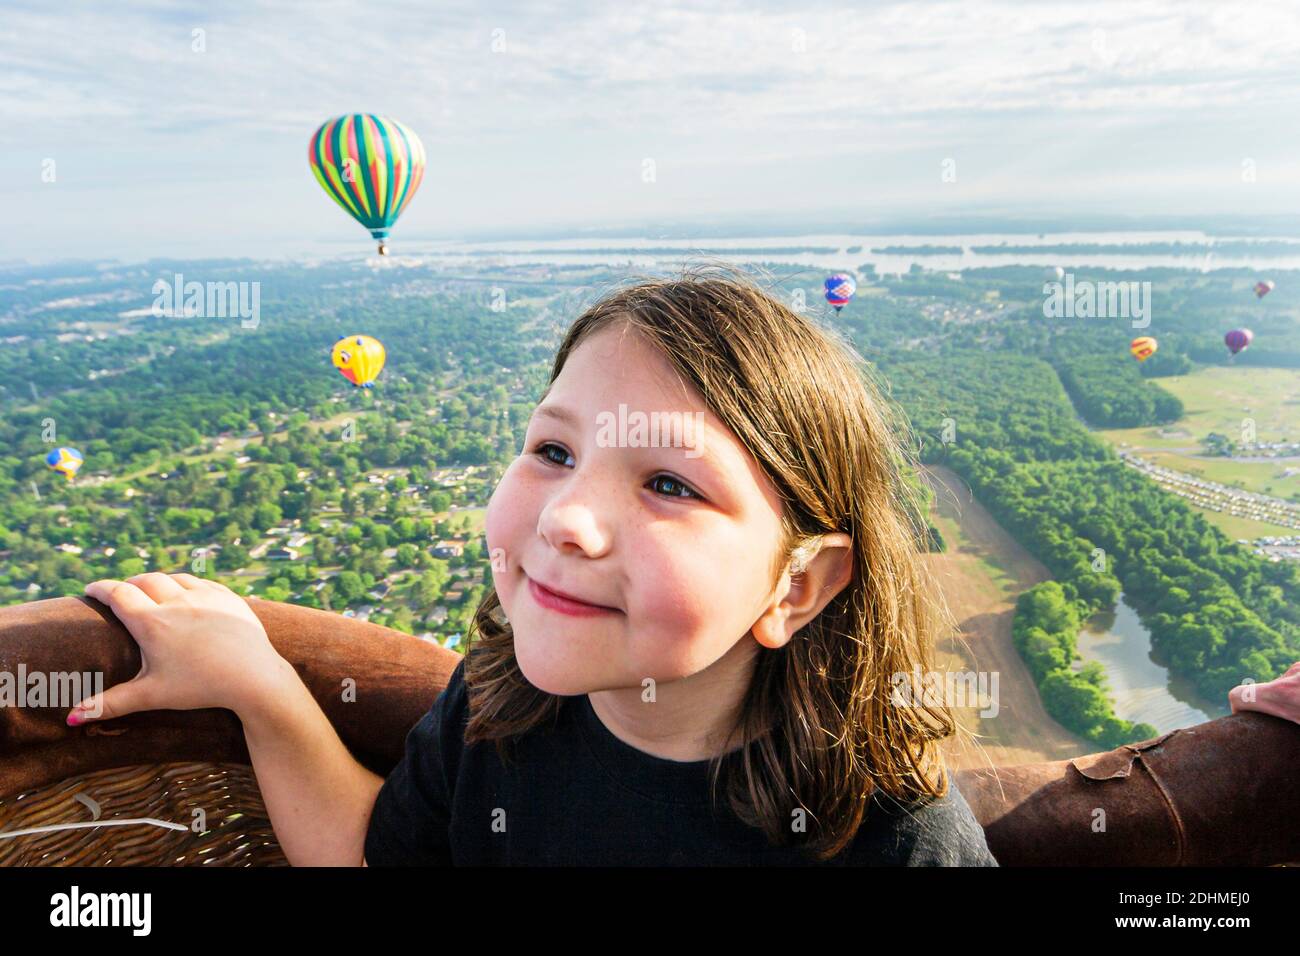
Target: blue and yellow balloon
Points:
(66, 461)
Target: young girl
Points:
(706, 573)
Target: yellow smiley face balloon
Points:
(359, 358)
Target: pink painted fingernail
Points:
(75, 718)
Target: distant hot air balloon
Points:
(840, 289)
(1143, 347)
(371, 166)
(1056, 272)
(1238, 339)
(66, 461)
(1263, 288)
(359, 358)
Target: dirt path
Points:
(982, 573)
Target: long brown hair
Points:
(818, 731)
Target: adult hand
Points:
(1280, 697)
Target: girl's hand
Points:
(200, 646)
(1280, 697)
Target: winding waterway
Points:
(1142, 689)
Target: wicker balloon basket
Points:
(215, 814)
(175, 788)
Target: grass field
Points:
(475, 517)
(981, 574)
(1238, 528)
(1219, 399)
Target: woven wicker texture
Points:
(236, 830)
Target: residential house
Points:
(448, 549)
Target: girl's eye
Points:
(543, 450)
(673, 481)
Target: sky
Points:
(163, 128)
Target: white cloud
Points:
(668, 62)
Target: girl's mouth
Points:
(565, 605)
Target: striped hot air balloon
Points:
(1238, 339)
(371, 166)
(359, 358)
(840, 289)
(1143, 347)
(66, 461)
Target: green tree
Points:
(430, 584)
(348, 586)
(266, 514)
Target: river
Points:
(1142, 689)
(888, 253)
(840, 250)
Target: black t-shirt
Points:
(575, 794)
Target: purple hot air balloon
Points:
(1238, 339)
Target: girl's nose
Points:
(568, 522)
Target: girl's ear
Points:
(818, 572)
(770, 630)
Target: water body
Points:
(1143, 689)
(814, 250)
(832, 251)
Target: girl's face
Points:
(674, 544)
